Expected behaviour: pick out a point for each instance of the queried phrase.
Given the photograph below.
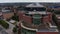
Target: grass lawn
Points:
(4, 24)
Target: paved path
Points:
(10, 28)
(2, 30)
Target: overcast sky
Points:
(12, 1)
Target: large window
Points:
(35, 8)
(28, 15)
(37, 15)
(29, 9)
(40, 9)
(37, 19)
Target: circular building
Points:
(35, 20)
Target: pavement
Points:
(2, 30)
(9, 30)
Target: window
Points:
(36, 15)
(28, 9)
(37, 20)
(40, 9)
(35, 8)
(28, 15)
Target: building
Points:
(34, 19)
(1, 16)
(7, 13)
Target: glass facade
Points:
(35, 8)
(37, 15)
(37, 19)
(28, 15)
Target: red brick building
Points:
(36, 20)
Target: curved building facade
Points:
(36, 20)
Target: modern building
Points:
(34, 19)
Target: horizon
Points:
(17, 1)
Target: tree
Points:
(15, 17)
(54, 18)
(14, 29)
(4, 24)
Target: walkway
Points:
(2, 30)
(27, 27)
(9, 30)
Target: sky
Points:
(13, 1)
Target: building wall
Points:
(47, 18)
(20, 15)
(47, 33)
(27, 19)
(7, 15)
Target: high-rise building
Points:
(34, 19)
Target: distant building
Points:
(1, 16)
(36, 20)
(7, 13)
(54, 7)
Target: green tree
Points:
(15, 17)
(14, 29)
(4, 24)
(54, 18)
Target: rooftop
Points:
(35, 5)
